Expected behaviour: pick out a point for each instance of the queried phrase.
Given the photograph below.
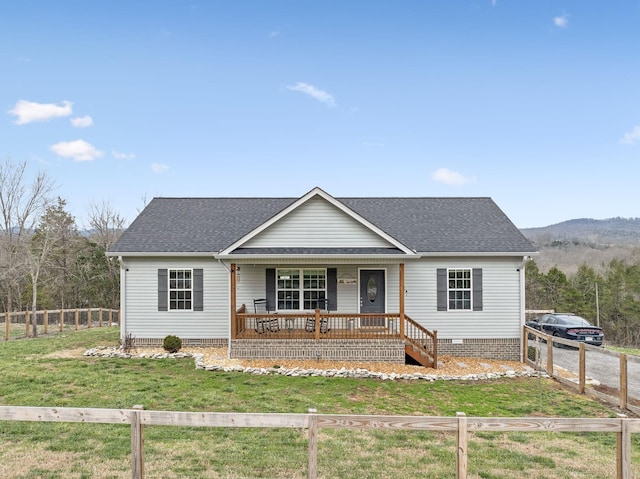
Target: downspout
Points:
(123, 299)
(522, 302)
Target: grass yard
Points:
(628, 351)
(51, 372)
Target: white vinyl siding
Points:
(143, 319)
(317, 224)
(499, 318)
(501, 295)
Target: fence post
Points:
(623, 450)
(624, 392)
(550, 357)
(110, 317)
(461, 455)
(582, 369)
(89, 318)
(46, 321)
(7, 325)
(26, 322)
(313, 444)
(77, 313)
(137, 443)
(435, 349)
(100, 317)
(61, 320)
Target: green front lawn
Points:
(52, 372)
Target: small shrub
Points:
(172, 344)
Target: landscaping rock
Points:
(343, 372)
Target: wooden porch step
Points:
(419, 355)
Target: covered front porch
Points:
(329, 333)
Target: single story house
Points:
(318, 277)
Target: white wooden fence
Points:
(461, 425)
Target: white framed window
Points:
(298, 289)
(180, 289)
(459, 289)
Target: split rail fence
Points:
(18, 324)
(542, 357)
(461, 425)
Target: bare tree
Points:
(20, 207)
(145, 202)
(106, 223)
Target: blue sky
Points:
(533, 103)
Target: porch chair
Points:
(323, 304)
(260, 306)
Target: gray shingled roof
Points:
(202, 225)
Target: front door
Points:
(372, 296)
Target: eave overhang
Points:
(440, 254)
(155, 254)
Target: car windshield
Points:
(573, 321)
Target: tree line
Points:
(46, 262)
(609, 296)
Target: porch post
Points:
(401, 300)
(234, 326)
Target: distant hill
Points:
(587, 230)
(571, 243)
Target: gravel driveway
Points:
(601, 365)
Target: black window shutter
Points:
(163, 288)
(332, 288)
(442, 289)
(197, 290)
(271, 289)
(477, 289)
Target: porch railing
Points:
(421, 343)
(317, 325)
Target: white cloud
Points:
(28, 111)
(159, 168)
(448, 177)
(82, 121)
(122, 156)
(314, 92)
(632, 136)
(79, 150)
(561, 21)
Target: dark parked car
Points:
(569, 326)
